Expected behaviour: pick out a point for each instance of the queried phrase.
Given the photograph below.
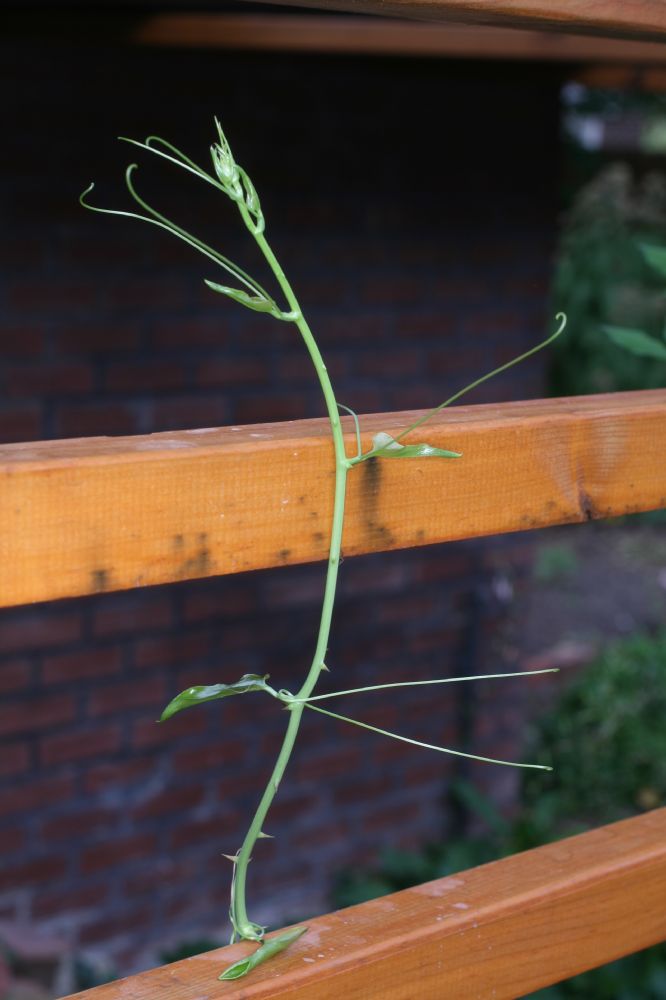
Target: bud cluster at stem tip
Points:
(235, 181)
(225, 166)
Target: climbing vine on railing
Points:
(232, 180)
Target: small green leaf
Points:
(255, 302)
(197, 695)
(656, 257)
(636, 342)
(385, 446)
(265, 951)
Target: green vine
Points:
(230, 178)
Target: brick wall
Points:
(413, 205)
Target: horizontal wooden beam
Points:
(613, 76)
(501, 931)
(93, 514)
(639, 19)
(382, 36)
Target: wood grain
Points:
(285, 32)
(501, 931)
(94, 514)
(640, 19)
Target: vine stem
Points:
(241, 923)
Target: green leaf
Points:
(255, 302)
(265, 951)
(202, 693)
(636, 342)
(385, 446)
(656, 257)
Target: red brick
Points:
(50, 296)
(403, 608)
(31, 873)
(391, 290)
(131, 613)
(131, 693)
(37, 713)
(107, 928)
(51, 904)
(172, 800)
(12, 840)
(48, 379)
(336, 330)
(434, 640)
(393, 817)
(14, 675)
(109, 775)
(79, 745)
(430, 325)
(91, 662)
(329, 765)
(192, 333)
(142, 292)
(156, 873)
(21, 340)
(395, 362)
(144, 376)
(95, 338)
(76, 825)
(117, 852)
(199, 831)
(234, 601)
(15, 759)
(21, 423)
(148, 733)
(90, 419)
(189, 412)
(234, 371)
(470, 362)
(37, 794)
(212, 755)
(172, 648)
(24, 630)
(258, 408)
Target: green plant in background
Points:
(606, 742)
(557, 561)
(607, 739)
(609, 279)
(638, 342)
(231, 179)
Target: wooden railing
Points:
(640, 19)
(499, 931)
(96, 514)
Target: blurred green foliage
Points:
(606, 740)
(557, 561)
(602, 279)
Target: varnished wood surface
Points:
(94, 514)
(499, 931)
(645, 19)
(383, 36)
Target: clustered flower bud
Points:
(225, 166)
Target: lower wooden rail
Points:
(95, 514)
(285, 32)
(501, 931)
